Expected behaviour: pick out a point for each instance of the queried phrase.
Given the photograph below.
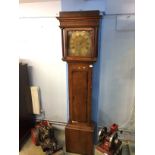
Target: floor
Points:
(30, 149)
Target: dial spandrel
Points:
(79, 43)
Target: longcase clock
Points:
(79, 49)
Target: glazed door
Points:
(80, 76)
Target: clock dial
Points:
(79, 43)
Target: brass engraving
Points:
(79, 43)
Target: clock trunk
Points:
(80, 85)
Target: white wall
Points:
(40, 46)
(40, 9)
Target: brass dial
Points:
(79, 43)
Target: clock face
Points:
(79, 43)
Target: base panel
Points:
(79, 139)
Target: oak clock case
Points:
(79, 49)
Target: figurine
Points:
(43, 135)
(109, 144)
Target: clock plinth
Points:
(79, 48)
(79, 138)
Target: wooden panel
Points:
(79, 140)
(79, 95)
(80, 92)
(79, 13)
(79, 19)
